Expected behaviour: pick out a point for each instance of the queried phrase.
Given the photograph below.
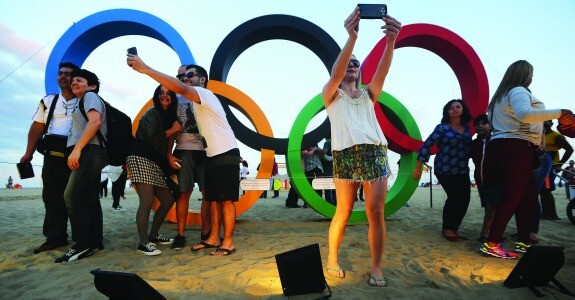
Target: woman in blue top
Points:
(451, 164)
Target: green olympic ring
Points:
(399, 193)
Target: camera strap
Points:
(50, 114)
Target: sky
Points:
(282, 76)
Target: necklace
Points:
(67, 106)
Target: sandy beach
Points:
(418, 262)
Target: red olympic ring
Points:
(455, 51)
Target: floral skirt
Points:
(361, 163)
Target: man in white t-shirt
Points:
(55, 171)
(223, 156)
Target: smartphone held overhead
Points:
(372, 11)
(133, 51)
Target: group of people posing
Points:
(206, 151)
(71, 173)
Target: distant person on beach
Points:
(483, 130)
(244, 172)
(148, 168)
(570, 177)
(221, 172)
(104, 182)
(87, 158)
(118, 175)
(451, 164)
(191, 156)
(359, 147)
(511, 156)
(327, 163)
(313, 168)
(55, 171)
(275, 172)
(540, 175)
(554, 142)
(10, 183)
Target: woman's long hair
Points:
(518, 74)
(169, 115)
(465, 114)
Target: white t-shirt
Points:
(213, 124)
(61, 122)
(353, 122)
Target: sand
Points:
(418, 262)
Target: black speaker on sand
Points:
(118, 285)
(301, 271)
(536, 268)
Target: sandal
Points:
(203, 245)
(223, 252)
(377, 282)
(339, 271)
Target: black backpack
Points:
(120, 136)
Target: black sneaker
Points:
(179, 242)
(49, 246)
(101, 247)
(74, 254)
(149, 249)
(161, 240)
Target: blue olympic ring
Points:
(89, 33)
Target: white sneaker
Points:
(119, 208)
(149, 249)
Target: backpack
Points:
(120, 136)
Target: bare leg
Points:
(229, 216)
(215, 207)
(182, 205)
(375, 194)
(490, 210)
(206, 212)
(345, 193)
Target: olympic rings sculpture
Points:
(396, 122)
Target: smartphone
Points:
(133, 51)
(25, 170)
(372, 11)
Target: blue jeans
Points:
(540, 174)
(82, 198)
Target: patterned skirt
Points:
(143, 170)
(360, 163)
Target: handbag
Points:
(51, 144)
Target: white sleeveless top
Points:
(353, 122)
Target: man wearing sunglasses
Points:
(190, 154)
(222, 176)
(55, 171)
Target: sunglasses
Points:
(60, 73)
(355, 62)
(179, 76)
(191, 74)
